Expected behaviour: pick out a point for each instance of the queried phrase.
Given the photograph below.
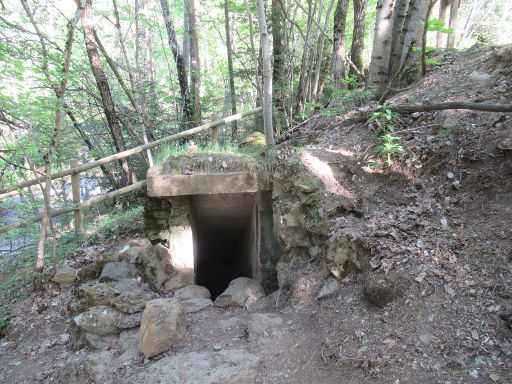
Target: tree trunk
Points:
(187, 108)
(267, 73)
(397, 35)
(454, 12)
(195, 67)
(442, 38)
(339, 61)
(378, 73)
(414, 24)
(232, 95)
(104, 88)
(357, 49)
(279, 50)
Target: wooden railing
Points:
(75, 170)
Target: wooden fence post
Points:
(75, 188)
(215, 131)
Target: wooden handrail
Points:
(13, 189)
(85, 204)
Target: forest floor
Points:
(442, 218)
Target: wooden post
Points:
(75, 187)
(215, 130)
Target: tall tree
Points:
(59, 90)
(454, 14)
(339, 56)
(104, 89)
(232, 95)
(279, 50)
(357, 49)
(442, 38)
(186, 105)
(195, 65)
(267, 73)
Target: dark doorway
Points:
(224, 227)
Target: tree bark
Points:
(442, 38)
(187, 108)
(195, 66)
(232, 95)
(267, 73)
(279, 51)
(357, 49)
(378, 73)
(414, 24)
(339, 62)
(397, 35)
(454, 13)
(104, 89)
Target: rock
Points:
(154, 265)
(131, 301)
(383, 289)
(91, 368)
(97, 293)
(129, 321)
(264, 325)
(76, 306)
(101, 342)
(179, 280)
(192, 292)
(93, 270)
(196, 305)
(161, 326)
(98, 320)
(98, 365)
(346, 253)
(226, 367)
(232, 322)
(65, 275)
(480, 78)
(129, 343)
(117, 270)
(328, 289)
(241, 292)
(131, 250)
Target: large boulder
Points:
(264, 325)
(196, 305)
(155, 265)
(65, 275)
(241, 292)
(133, 300)
(117, 270)
(182, 277)
(91, 368)
(162, 325)
(192, 292)
(97, 293)
(99, 320)
(226, 367)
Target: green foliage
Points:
(390, 148)
(436, 25)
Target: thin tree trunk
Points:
(267, 73)
(232, 96)
(195, 65)
(424, 40)
(59, 105)
(255, 56)
(415, 22)
(187, 108)
(339, 63)
(454, 14)
(442, 38)
(279, 50)
(320, 54)
(105, 93)
(357, 49)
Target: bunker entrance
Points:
(225, 234)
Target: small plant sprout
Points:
(390, 148)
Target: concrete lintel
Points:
(200, 184)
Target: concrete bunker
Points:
(219, 225)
